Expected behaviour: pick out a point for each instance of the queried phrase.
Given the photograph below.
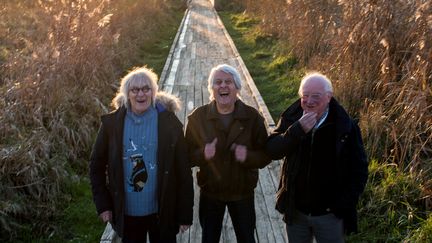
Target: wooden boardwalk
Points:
(201, 43)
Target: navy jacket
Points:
(349, 163)
(175, 184)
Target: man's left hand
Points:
(183, 228)
(240, 152)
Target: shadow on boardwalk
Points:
(200, 44)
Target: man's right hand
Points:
(106, 216)
(210, 149)
(308, 121)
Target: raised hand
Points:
(240, 152)
(308, 121)
(210, 149)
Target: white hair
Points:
(141, 75)
(226, 69)
(328, 87)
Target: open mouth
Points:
(224, 94)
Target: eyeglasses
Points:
(313, 97)
(144, 89)
(220, 81)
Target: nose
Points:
(309, 101)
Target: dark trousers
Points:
(325, 228)
(211, 213)
(137, 228)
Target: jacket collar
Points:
(342, 119)
(238, 114)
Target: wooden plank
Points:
(228, 234)
(200, 44)
(263, 227)
(198, 101)
(275, 169)
(189, 105)
(195, 230)
(275, 219)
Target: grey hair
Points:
(226, 69)
(136, 76)
(328, 87)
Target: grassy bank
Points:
(396, 204)
(276, 75)
(60, 66)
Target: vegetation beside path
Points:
(396, 205)
(60, 63)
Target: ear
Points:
(329, 96)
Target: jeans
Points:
(211, 213)
(325, 228)
(136, 229)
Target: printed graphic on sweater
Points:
(139, 173)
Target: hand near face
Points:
(240, 152)
(210, 149)
(308, 121)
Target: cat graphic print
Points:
(139, 173)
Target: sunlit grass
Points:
(389, 209)
(275, 74)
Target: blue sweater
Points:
(140, 140)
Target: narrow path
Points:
(201, 43)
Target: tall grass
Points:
(378, 54)
(60, 63)
(379, 57)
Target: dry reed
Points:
(379, 55)
(379, 58)
(57, 58)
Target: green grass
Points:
(155, 51)
(388, 210)
(78, 222)
(275, 73)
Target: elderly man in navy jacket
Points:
(325, 168)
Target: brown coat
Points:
(223, 177)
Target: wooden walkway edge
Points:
(201, 43)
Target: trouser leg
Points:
(243, 218)
(211, 213)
